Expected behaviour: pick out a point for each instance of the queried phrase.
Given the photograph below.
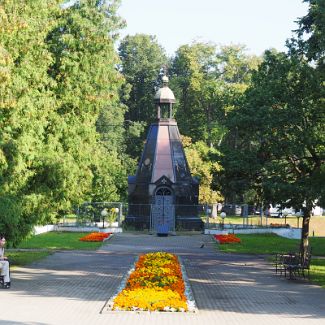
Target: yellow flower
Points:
(155, 284)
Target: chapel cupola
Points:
(164, 100)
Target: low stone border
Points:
(108, 238)
(191, 304)
(43, 229)
(292, 233)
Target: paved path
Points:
(73, 287)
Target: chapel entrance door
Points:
(163, 211)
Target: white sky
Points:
(258, 24)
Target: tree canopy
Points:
(58, 78)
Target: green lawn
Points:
(19, 258)
(59, 240)
(317, 272)
(45, 244)
(272, 244)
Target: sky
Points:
(258, 24)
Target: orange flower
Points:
(95, 237)
(227, 239)
(155, 284)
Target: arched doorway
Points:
(162, 213)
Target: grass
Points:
(20, 258)
(317, 272)
(59, 241)
(261, 244)
(272, 244)
(45, 244)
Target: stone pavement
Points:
(72, 287)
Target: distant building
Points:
(163, 196)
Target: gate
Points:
(163, 211)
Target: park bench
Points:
(293, 264)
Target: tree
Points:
(88, 93)
(208, 83)
(142, 59)
(194, 82)
(58, 83)
(203, 162)
(26, 106)
(310, 40)
(281, 128)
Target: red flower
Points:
(227, 239)
(95, 237)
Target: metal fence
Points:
(179, 216)
(100, 214)
(231, 216)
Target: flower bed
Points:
(279, 225)
(95, 237)
(156, 284)
(227, 239)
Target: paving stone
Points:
(72, 287)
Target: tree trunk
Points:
(304, 243)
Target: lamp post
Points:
(223, 216)
(285, 213)
(116, 210)
(104, 214)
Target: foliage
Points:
(141, 61)
(59, 87)
(26, 107)
(203, 162)
(207, 83)
(280, 133)
(310, 38)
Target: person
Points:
(4, 263)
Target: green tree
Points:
(281, 129)
(141, 61)
(88, 129)
(26, 106)
(208, 83)
(310, 39)
(58, 85)
(193, 79)
(203, 162)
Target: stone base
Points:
(182, 223)
(136, 223)
(189, 223)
